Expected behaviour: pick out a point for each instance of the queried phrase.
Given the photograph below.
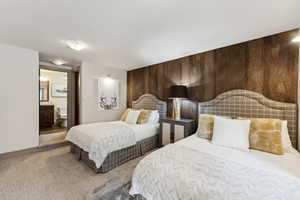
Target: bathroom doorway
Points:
(58, 101)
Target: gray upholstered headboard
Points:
(244, 103)
(150, 102)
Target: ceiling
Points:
(136, 33)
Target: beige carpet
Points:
(52, 130)
(52, 138)
(57, 175)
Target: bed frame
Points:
(117, 158)
(244, 103)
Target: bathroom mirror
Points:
(44, 91)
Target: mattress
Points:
(141, 132)
(207, 171)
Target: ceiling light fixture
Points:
(76, 45)
(58, 61)
(296, 39)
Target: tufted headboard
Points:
(244, 103)
(150, 102)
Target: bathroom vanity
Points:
(46, 116)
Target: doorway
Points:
(58, 104)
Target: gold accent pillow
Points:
(265, 135)
(125, 113)
(205, 126)
(144, 116)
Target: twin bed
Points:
(194, 168)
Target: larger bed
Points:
(126, 141)
(194, 168)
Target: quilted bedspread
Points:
(100, 139)
(177, 172)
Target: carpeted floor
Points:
(57, 175)
(52, 138)
(52, 130)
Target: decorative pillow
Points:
(265, 135)
(206, 125)
(125, 113)
(132, 116)
(144, 116)
(231, 133)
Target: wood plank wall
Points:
(268, 66)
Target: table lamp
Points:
(177, 92)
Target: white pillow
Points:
(132, 116)
(231, 133)
(154, 117)
(285, 137)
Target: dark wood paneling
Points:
(230, 68)
(255, 68)
(267, 65)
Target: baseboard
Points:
(4, 156)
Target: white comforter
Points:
(195, 169)
(100, 139)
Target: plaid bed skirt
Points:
(119, 157)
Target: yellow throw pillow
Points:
(205, 126)
(265, 135)
(125, 113)
(144, 116)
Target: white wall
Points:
(89, 111)
(19, 98)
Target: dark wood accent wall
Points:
(267, 65)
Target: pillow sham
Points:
(206, 125)
(144, 116)
(265, 135)
(132, 116)
(154, 117)
(125, 113)
(231, 133)
(285, 137)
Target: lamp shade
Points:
(178, 91)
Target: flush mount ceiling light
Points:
(76, 44)
(296, 39)
(58, 61)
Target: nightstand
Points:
(172, 130)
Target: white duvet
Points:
(100, 139)
(195, 169)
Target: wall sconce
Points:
(177, 92)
